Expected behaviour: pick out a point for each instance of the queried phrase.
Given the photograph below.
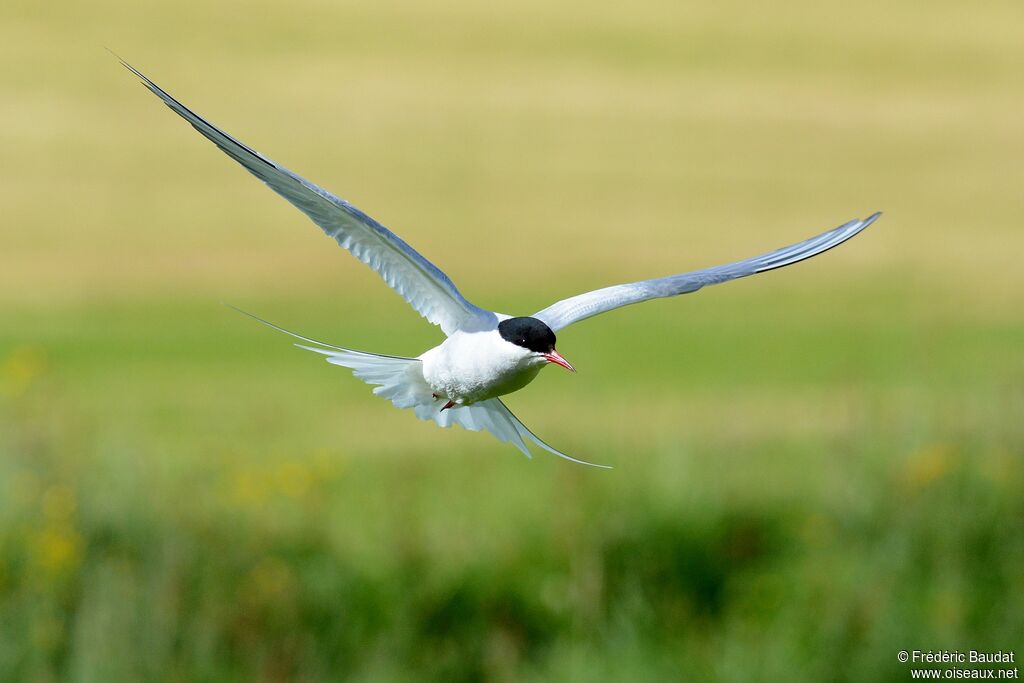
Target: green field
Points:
(813, 469)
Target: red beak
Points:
(556, 358)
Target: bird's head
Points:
(534, 336)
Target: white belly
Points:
(472, 367)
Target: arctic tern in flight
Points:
(486, 354)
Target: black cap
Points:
(529, 333)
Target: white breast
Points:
(474, 366)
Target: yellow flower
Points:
(928, 464)
(20, 368)
(57, 549)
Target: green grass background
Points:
(814, 469)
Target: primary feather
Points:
(417, 280)
(583, 306)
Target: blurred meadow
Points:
(814, 468)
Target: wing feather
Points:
(417, 280)
(583, 306)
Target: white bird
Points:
(486, 354)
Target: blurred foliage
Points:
(814, 468)
(173, 548)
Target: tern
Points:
(486, 354)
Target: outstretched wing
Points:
(419, 281)
(574, 309)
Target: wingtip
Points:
(138, 74)
(865, 223)
(120, 59)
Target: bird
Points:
(485, 354)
